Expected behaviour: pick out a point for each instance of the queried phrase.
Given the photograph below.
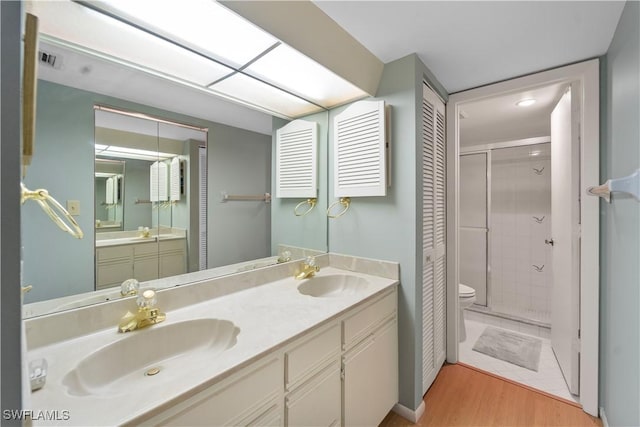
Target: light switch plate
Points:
(73, 207)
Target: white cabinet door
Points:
(371, 378)
(114, 265)
(316, 403)
(172, 264)
(145, 268)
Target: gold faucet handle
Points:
(129, 287)
(147, 299)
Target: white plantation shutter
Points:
(359, 154)
(296, 159)
(174, 180)
(202, 214)
(433, 238)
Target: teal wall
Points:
(63, 164)
(239, 162)
(620, 226)
(308, 231)
(136, 186)
(388, 228)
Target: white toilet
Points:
(466, 297)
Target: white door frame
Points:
(587, 73)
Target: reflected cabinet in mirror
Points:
(145, 161)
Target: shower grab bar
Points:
(627, 185)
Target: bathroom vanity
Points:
(255, 348)
(125, 254)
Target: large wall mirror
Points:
(147, 161)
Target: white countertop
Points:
(101, 243)
(268, 316)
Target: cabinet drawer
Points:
(113, 253)
(244, 398)
(363, 322)
(141, 249)
(311, 355)
(172, 245)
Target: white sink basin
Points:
(150, 354)
(333, 285)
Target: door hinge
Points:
(578, 333)
(342, 374)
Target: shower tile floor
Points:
(548, 378)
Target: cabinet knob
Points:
(549, 241)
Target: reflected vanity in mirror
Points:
(88, 102)
(144, 226)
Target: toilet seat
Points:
(465, 291)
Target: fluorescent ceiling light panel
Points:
(289, 69)
(85, 27)
(248, 89)
(203, 25)
(204, 32)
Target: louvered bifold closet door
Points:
(202, 213)
(433, 236)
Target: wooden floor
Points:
(463, 396)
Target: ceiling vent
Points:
(49, 59)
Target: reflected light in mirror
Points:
(82, 26)
(202, 24)
(130, 153)
(280, 73)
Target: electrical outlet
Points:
(73, 207)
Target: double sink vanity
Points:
(260, 347)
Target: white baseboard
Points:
(409, 414)
(603, 417)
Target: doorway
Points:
(585, 76)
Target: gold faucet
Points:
(147, 314)
(309, 269)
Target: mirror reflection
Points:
(148, 233)
(193, 237)
(109, 192)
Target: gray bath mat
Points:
(510, 346)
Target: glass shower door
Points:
(473, 223)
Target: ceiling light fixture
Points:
(238, 53)
(526, 102)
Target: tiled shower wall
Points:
(520, 261)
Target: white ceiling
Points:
(499, 119)
(472, 43)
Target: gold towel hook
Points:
(345, 202)
(50, 205)
(312, 204)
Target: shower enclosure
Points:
(505, 218)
